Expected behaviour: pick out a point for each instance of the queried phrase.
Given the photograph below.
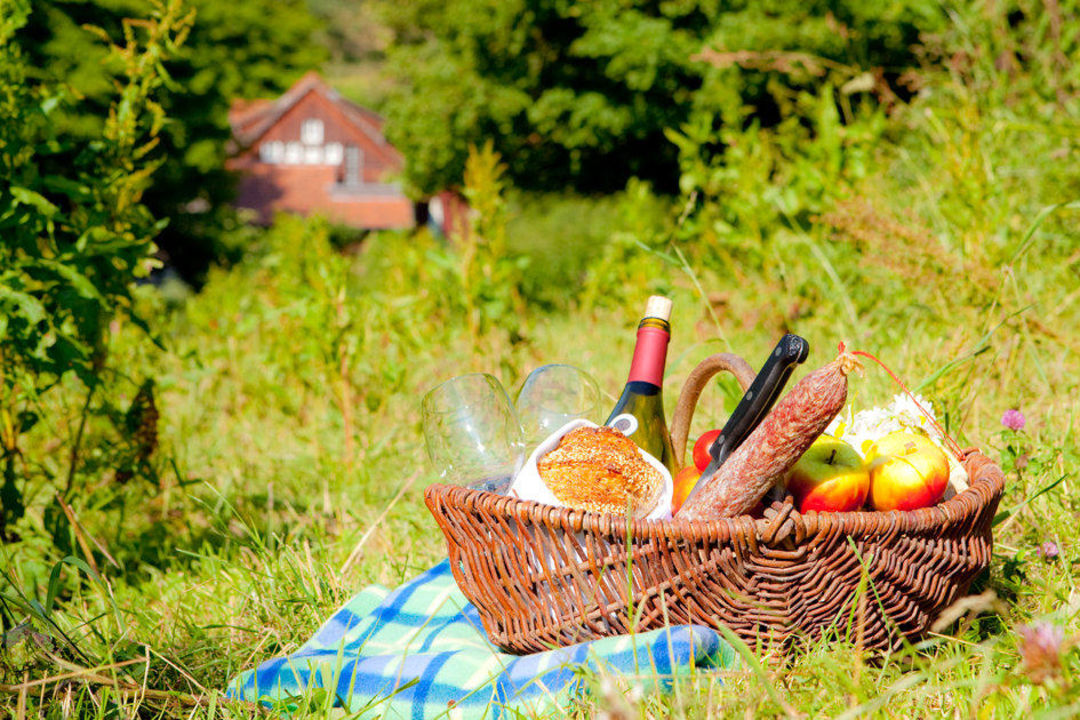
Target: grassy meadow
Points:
(942, 235)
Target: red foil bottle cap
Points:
(650, 353)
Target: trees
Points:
(254, 48)
(579, 94)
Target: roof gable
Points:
(251, 120)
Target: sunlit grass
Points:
(290, 423)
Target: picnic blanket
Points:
(420, 652)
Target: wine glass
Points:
(552, 396)
(472, 432)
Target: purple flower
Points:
(1040, 649)
(1048, 550)
(1013, 419)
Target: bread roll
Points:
(601, 470)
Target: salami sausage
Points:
(775, 445)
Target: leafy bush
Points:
(76, 233)
(741, 183)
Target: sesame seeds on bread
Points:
(601, 470)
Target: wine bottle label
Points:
(626, 423)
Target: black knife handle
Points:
(760, 396)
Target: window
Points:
(313, 155)
(294, 153)
(311, 132)
(334, 153)
(354, 167)
(272, 152)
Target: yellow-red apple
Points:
(907, 471)
(683, 483)
(829, 477)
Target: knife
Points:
(756, 402)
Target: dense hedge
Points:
(579, 94)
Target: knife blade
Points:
(756, 402)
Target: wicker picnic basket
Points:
(543, 576)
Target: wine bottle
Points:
(639, 413)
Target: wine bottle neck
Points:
(650, 352)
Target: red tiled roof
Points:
(242, 111)
(250, 119)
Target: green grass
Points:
(289, 392)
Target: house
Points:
(313, 152)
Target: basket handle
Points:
(691, 391)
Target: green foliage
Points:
(580, 94)
(735, 199)
(76, 233)
(255, 48)
(329, 328)
(572, 241)
(351, 31)
(629, 261)
(938, 232)
(490, 278)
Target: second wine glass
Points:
(552, 396)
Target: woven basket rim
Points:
(986, 481)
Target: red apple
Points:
(829, 477)
(702, 458)
(683, 483)
(907, 471)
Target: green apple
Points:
(829, 477)
(907, 471)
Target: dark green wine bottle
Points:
(639, 413)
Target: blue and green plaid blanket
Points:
(420, 652)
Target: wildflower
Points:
(861, 429)
(1021, 461)
(1013, 419)
(617, 702)
(1048, 550)
(1040, 650)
